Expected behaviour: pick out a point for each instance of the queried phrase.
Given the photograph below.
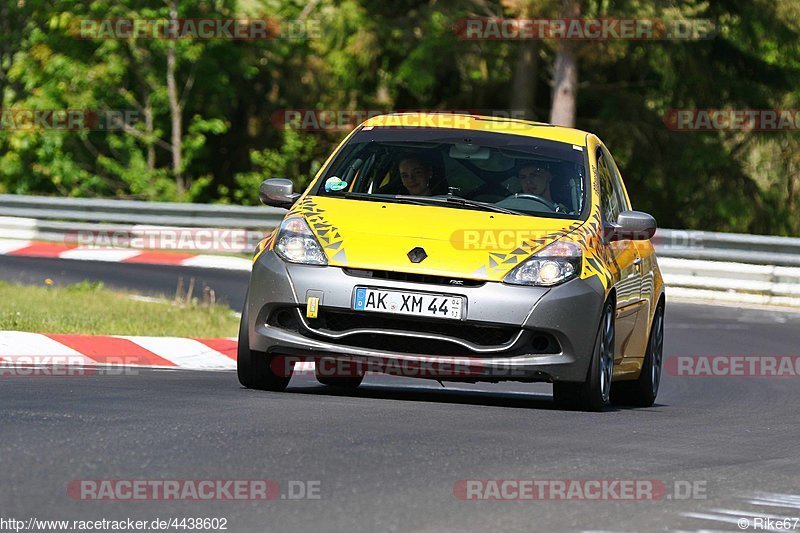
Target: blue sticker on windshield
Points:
(335, 184)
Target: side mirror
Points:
(277, 192)
(632, 225)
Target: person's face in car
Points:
(416, 177)
(535, 180)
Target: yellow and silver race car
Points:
(460, 248)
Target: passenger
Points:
(416, 174)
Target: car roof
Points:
(513, 126)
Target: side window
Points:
(619, 190)
(609, 203)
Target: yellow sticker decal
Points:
(262, 245)
(327, 234)
(312, 307)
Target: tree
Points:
(205, 133)
(175, 112)
(565, 76)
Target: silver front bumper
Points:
(568, 313)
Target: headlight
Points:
(557, 263)
(296, 243)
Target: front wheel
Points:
(595, 392)
(253, 368)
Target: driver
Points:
(416, 174)
(534, 179)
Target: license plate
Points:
(408, 303)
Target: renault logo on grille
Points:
(417, 255)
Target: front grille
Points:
(481, 335)
(413, 278)
(489, 337)
(406, 345)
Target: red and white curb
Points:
(17, 347)
(117, 255)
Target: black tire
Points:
(643, 391)
(253, 368)
(594, 394)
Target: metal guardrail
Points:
(50, 214)
(736, 247)
(696, 264)
(731, 282)
(44, 208)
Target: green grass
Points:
(92, 309)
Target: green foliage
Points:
(286, 162)
(404, 54)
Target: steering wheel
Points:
(536, 198)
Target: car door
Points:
(644, 265)
(624, 258)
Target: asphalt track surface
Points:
(387, 456)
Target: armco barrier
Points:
(42, 208)
(734, 247)
(731, 282)
(696, 264)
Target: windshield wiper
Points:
(376, 198)
(424, 200)
(457, 200)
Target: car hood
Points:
(458, 243)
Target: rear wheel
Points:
(643, 391)
(595, 392)
(253, 368)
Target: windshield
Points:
(463, 169)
